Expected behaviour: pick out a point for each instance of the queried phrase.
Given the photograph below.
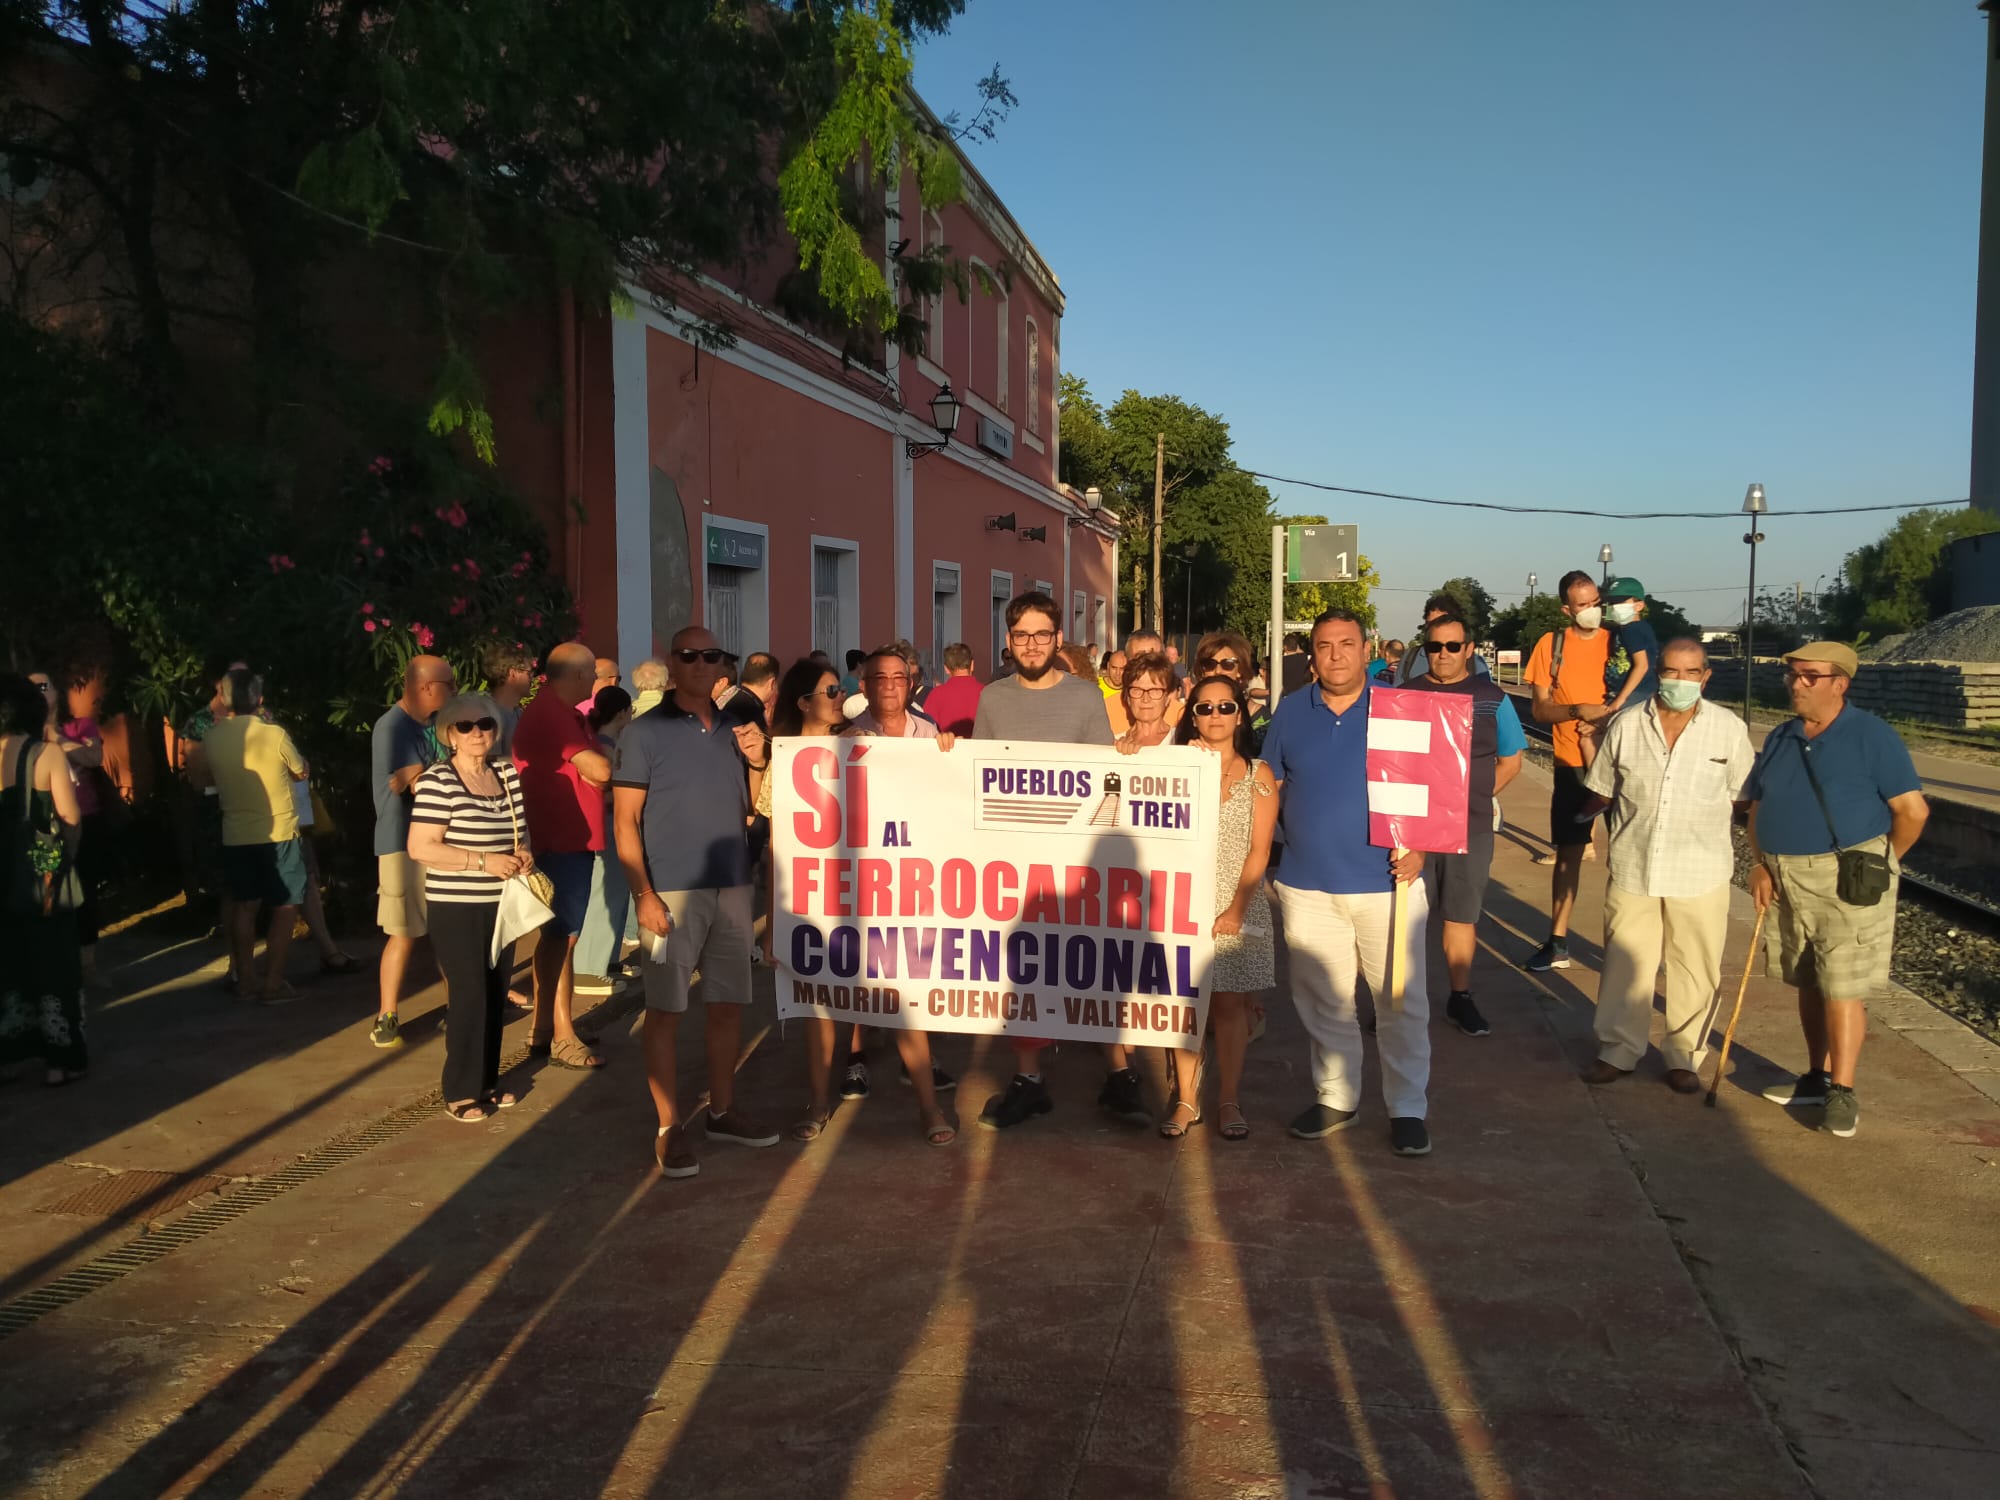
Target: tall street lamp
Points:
(1531, 585)
(1753, 506)
(1604, 558)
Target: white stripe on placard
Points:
(1399, 799)
(1401, 735)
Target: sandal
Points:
(813, 1126)
(469, 1111)
(1236, 1129)
(939, 1132)
(542, 1048)
(340, 963)
(1174, 1128)
(502, 1100)
(573, 1052)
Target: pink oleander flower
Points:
(472, 570)
(453, 515)
(369, 626)
(380, 553)
(534, 621)
(381, 466)
(421, 633)
(518, 569)
(460, 605)
(415, 529)
(280, 563)
(368, 609)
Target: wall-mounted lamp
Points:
(1093, 502)
(944, 417)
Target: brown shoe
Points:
(1681, 1081)
(1601, 1072)
(671, 1152)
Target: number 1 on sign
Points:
(1341, 558)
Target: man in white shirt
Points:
(1670, 773)
(885, 688)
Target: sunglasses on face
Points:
(1808, 678)
(711, 656)
(833, 692)
(1226, 707)
(1218, 664)
(476, 726)
(1449, 648)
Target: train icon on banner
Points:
(1018, 794)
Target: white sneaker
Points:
(597, 984)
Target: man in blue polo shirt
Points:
(1338, 891)
(682, 791)
(1835, 779)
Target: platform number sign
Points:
(1322, 554)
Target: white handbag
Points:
(521, 912)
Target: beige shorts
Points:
(711, 933)
(1820, 941)
(400, 909)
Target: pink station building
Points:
(768, 490)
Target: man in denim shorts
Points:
(1833, 779)
(682, 793)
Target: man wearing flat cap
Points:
(1835, 804)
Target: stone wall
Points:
(1956, 695)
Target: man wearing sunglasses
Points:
(1457, 882)
(682, 792)
(563, 776)
(1831, 787)
(1416, 663)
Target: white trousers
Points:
(1642, 934)
(1333, 942)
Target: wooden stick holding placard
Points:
(1399, 931)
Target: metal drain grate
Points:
(135, 1195)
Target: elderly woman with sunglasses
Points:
(468, 829)
(1224, 653)
(1218, 721)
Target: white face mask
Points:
(1589, 617)
(1623, 613)
(1678, 695)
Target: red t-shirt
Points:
(565, 812)
(953, 703)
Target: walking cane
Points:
(1722, 1061)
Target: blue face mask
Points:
(1678, 695)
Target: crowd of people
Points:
(638, 822)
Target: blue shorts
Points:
(571, 872)
(274, 874)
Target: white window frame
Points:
(1000, 590)
(757, 588)
(939, 638)
(1078, 606)
(932, 236)
(1034, 353)
(1098, 620)
(850, 590)
(1001, 300)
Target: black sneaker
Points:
(1843, 1113)
(1122, 1096)
(1409, 1137)
(1463, 1014)
(1025, 1098)
(854, 1082)
(1807, 1091)
(1321, 1120)
(1554, 954)
(941, 1081)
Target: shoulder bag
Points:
(526, 900)
(41, 872)
(1864, 876)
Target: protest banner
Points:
(1061, 892)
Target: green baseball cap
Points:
(1625, 588)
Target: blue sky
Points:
(1613, 256)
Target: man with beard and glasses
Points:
(1042, 702)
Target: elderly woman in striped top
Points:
(468, 830)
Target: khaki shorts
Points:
(711, 932)
(400, 909)
(1820, 941)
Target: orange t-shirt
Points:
(1584, 660)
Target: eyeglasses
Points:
(711, 656)
(1218, 664)
(1032, 637)
(1808, 678)
(886, 677)
(1147, 692)
(476, 726)
(833, 692)
(1226, 707)
(1450, 648)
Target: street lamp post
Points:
(1753, 506)
(1531, 585)
(1604, 558)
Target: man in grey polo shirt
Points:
(683, 787)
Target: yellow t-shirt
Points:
(1584, 660)
(254, 765)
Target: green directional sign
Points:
(1322, 554)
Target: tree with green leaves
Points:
(1475, 605)
(1899, 581)
(1519, 626)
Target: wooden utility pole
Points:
(1159, 515)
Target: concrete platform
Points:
(1582, 1292)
